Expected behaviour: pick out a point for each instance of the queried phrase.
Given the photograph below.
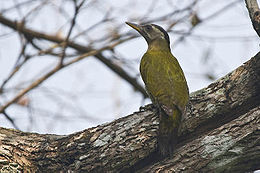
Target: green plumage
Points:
(164, 79)
(165, 84)
(167, 87)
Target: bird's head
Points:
(151, 33)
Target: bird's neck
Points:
(158, 45)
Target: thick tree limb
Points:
(233, 147)
(221, 131)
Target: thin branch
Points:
(213, 15)
(166, 16)
(49, 74)
(16, 67)
(18, 5)
(10, 119)
(114, 67)
(92, 27)
(73, 22)
(220, 11)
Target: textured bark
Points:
(254, 13)
(233, 147)
(220, 133)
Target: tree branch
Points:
(49, 74)
(11, 120)
(34, 34)
(254, 13)
(221, 131)
(73, 22)
(233, 147)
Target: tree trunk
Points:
(221, 133)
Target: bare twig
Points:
(77, 7)
(114, 67)
(166, 16)
(10, 119)
(16, 67)
(17, 5)
(53, 71)
(215, 14)
(220, 11)
(102, 21)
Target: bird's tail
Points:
(168, 131)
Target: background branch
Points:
(10, 120)
(73, 22)
(34, 34)
(49, 74)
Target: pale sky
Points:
(88, 93)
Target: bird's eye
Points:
(148, 28)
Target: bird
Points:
(165, 84)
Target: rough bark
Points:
(254, 14)
(220, 133)
(233, 147)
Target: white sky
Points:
(88, 93)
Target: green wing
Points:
(164, 79)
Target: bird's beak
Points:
(140, 29)
(135, 26)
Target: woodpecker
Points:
(165, 84)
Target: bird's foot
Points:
(149, 107)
